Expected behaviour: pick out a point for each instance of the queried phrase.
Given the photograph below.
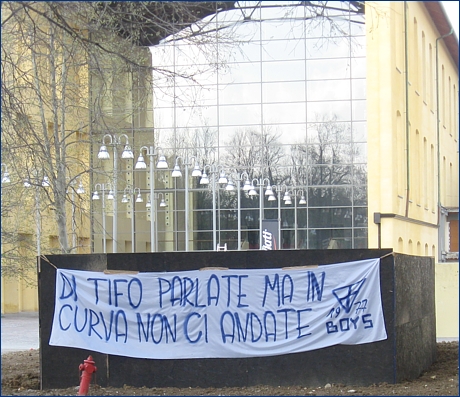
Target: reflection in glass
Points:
(288, 104)
(284, 113)
(239, 114)
(327, 48)
(358, 88)
(328, 90)
(322, 69)
(359, 131)
(283, 92)
(283, 71)
(278, 50)
(233, 94)
(243, 72)
(329, 196)
(341, 110)
(359, 110)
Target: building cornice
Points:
(442, 23)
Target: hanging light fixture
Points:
(222, 178)
(204, 179)
(196, 170)
(268, 190)
(162, 203)
(140, 163)
(177, 173)
(139, 198)
(103, 153)
(95, 195)
(162, 164)
(124, 199)
(127, 152)
(272, 197)
(110, 195)
(302, 200)
(247, 185)
(230, 185)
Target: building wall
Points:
(403, 145)
(447, 298)
(18, 296)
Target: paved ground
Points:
(20, 332)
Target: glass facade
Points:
(283, 105)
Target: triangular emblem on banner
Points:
(347, 295)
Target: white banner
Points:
(219, 313)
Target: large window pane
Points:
(358, 88)
(239, 114)
(241, 73)
(329, 196)
(232, 94)
(359, 131)
(284, 113)
(275, 50)
(288, 133)
(321, 69)
(328, 90)
(283, 92)
(328, 48)
(283, 71)
(329, 239)
(277, 29)
(340, 110)
(197, 115)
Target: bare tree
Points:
(61, 63)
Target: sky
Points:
(452, 10)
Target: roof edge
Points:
(439, 17)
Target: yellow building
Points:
(55, 95)
(412, 96)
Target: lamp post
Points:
(103, 154)
(141, 165)
(231, 187)
(288, 201)
(103, 188)
(176, 173)
(222, 181)
(138, 199)
(213, 169)
(252, 192)
(128, 197)
(302, 201)
(273, 197)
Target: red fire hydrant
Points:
(87, 369)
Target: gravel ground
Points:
(20, 377)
